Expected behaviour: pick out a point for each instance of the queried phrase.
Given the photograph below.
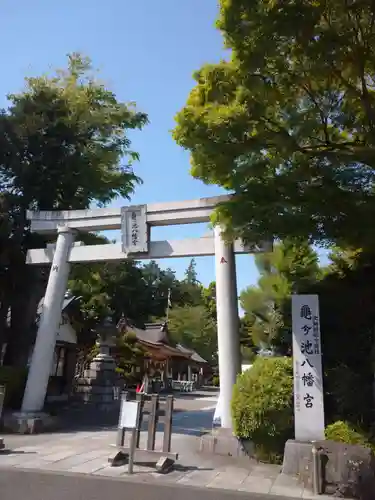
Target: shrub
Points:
(345, 433)
(14, 380)
(262, 405)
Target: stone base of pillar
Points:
(222, 442)
(30, 423)
(295, 454)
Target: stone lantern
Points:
(99, 384)
(105, 340)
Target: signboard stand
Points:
(132, 415)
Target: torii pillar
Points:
(40, 367)
(227, 324)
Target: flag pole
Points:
(169, 304)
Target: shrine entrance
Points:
(135, 223)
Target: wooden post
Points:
(141, 399)
(152, 422)
(168, 424)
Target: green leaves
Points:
(64, 145)
(195, 328)
(287, 125)
(64, 141)
(290, 268)
(262, 404)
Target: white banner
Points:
(307, 367)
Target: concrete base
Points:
(29, 423)
(295, 454)
(347, 470)
(222, 442)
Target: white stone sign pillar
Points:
(227, 326)
(307, 368)
(37, 382)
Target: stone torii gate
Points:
(136, 223)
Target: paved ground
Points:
(85, 451)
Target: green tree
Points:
(191, 276)
(287, 125)
(343, 260)
(116, 289)
(129, 356)
(209, 299)
(194, 328)
(290, 268)
(248, 347)
(160, 283)
(347, 319)
(63, 145)
(190, 287)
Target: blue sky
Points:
(146, 52)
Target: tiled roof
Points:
(193, 354)
(154, 333)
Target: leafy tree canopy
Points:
(194, 328)
(140, 293)
(64, 142)
(290, 268)
(287, 125)
(63, 145)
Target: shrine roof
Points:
(68, 300)
(193, 354)
(156, 334)
(153, 333)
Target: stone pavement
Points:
(87, 452)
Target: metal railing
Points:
(183, 385)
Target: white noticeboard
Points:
(129, 415)
(307, 368)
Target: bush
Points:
(345, 433)
(262, 406)
(14, 380)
